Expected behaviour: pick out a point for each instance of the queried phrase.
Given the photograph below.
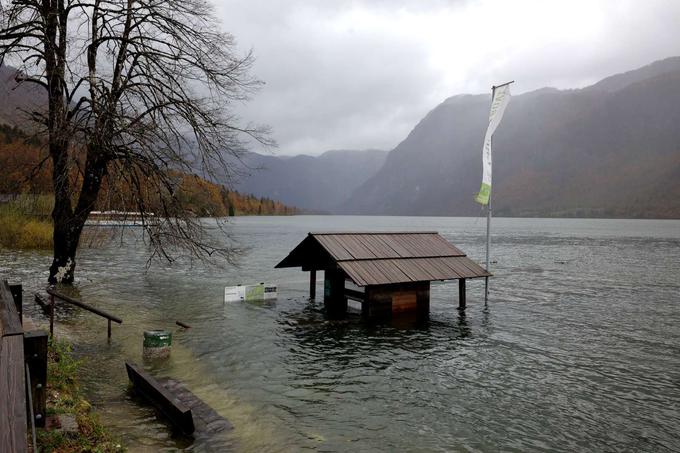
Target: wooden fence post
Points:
(312, 284)
(51, 315)
(35, 355)
(17, 294)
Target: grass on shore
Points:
(64, 397)
(25, 223)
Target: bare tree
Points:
(137, 90)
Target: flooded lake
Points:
(577, 350)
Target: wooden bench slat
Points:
(176, 411)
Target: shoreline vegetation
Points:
(26, 224)
(26, 197)
(65, 400)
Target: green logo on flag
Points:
(484, 194)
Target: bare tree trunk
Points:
(63, 263)
(161, 105)
(69, 223)
(66, 237)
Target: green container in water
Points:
(157, 343)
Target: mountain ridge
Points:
(311, 183)
(611, 149)
(608, 150)
(314, 183)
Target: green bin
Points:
(157, 344)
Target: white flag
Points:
(500, 100)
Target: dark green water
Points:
(578, 349)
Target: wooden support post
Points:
(334, 298)
(35, 355)
(423, 300)
(312, 284)
(17, 294)
(44, 303)
(51, 315)
(109, 330)
(461, 293)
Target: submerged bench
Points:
(178, 404)
(168, 404)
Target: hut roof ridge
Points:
(384, 257)
(340, 233)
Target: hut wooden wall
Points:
(386, 300)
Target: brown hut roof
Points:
(383, 258)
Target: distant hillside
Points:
(609, 150)
(315, 183)
(19, 158)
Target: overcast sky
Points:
(361, 74)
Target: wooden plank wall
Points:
(13, 430)
(403, 301)
(382, 301)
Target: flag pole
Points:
(484, 195)
(488, 220)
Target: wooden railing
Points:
(80, 304)
(13, 434)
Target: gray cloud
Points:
(361, 74)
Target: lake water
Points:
(577, 350)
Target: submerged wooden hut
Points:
(387, 272)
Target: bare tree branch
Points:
(138, 90)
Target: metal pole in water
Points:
(488, 242)
(488, 218)
(488, 246)
(501, 105)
